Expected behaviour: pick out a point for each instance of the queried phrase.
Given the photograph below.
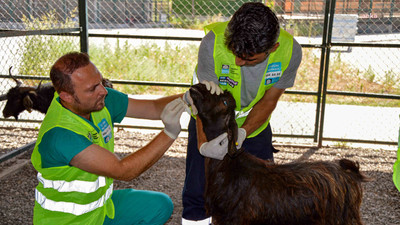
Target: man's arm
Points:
(148, 109)
(100, 161)
(262, 109)
(205, 61)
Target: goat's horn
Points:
(38, 87)
(17, 81)
(3, 97)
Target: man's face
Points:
(256, 58)
(251, 60)
(89, 93)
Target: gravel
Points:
(380, 202)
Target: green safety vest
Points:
(229, 74)
(66, 194)
(396, 167)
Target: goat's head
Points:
(217, 114)
(18, 99)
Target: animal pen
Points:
(347, 89)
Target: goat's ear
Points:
(28, 103)
(232, 137)
(32, 93)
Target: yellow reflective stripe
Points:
(76, 185)
(71, 207)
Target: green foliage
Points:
(343, 76)
(195, 23)
(206, 7)
(306, 28)
(391, 80)
(270, 3)
(148, 62)
(342, 144)
(369, 74)
(40, 51)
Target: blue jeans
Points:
(193, 190)
(140, 207)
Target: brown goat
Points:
(21, 98)
(242, 189)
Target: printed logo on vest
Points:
(225, 69)
(94, 138)
(274, 72)
(105, 130)
(224, 81)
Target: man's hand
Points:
(189, 101)
(171, 116)
(212, 87)
(216, 148)
(241, 137)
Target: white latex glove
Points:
(189, 101)
(171, 116)
(212, 87)
(241, 137)
(216, 148)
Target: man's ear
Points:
(66, 97)
(276, 45)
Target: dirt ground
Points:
(381, 200)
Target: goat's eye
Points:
(225, 103)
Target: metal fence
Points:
(347, 88)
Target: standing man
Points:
(74, 152)
(255, 60)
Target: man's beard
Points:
(88, 110)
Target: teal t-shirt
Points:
(60, 145)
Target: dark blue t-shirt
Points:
(59, 145)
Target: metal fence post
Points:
(325, 67)
(321, 73)
(83, 23)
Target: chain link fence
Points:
(28, 48)
(347, 87)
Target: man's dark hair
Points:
(253, 29)
(64, 67)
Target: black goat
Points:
(20, 98)
(242, 189)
